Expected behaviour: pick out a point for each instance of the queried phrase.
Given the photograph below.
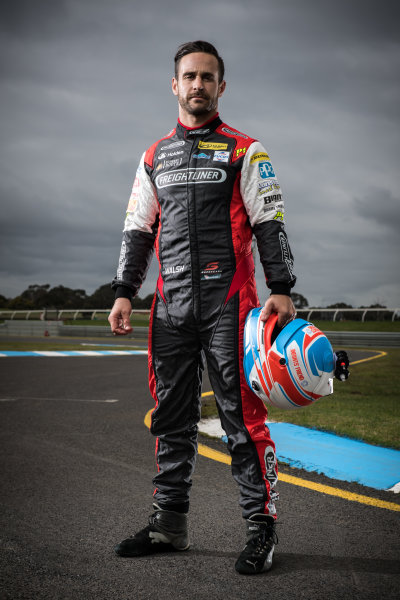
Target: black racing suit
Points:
(199, 195)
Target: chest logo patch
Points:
(184, 176)
(212, 146)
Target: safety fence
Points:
(93, 314)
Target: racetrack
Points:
(77, 462)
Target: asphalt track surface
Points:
(76, 467)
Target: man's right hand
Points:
(119, 317)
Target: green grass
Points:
(366, 407)
(139, 320)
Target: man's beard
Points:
(197, 110)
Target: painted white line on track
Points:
(98, 400)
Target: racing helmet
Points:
(289, 367)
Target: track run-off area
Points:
(77, 462)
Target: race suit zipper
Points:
(194, 246)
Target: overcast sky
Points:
(85, 89)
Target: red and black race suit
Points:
(199, 196)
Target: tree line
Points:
(43, 296)
(39, 297)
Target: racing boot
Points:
(167, 531)
(256, 557)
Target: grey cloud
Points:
(381, 207)
(86, 88)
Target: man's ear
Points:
(221, 88)
(174, 86)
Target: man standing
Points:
(200, 194)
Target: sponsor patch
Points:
(273, 198)
(270, 466)
(173, 145)
(278, 216)
(266, 170)
(236, 133)
(174, 270)
(259, 156)
(212, 146)
(174, 162)
(211, 271)
(286, 256)
(201, 155)
(198, 132)
(221, 156)
(240, 151)
(267, 186)
(184, 176)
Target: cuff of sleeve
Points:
(280, 288)
(123, 292)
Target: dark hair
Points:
(199, 46)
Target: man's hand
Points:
(281, 304)
(119, 317)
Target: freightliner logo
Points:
(184, 176)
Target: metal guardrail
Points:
(94, 313)
(337, 313)
(374, 339)
(20, 328)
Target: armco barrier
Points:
(363, 338)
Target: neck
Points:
(194, 121)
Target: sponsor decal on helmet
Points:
(221, 156)
(211, 271)
(296, 364)
(184, 176)
(236, 133)
(259, 156)
(265, 169)
(173, 145)
(212, 146)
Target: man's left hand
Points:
(281, 304)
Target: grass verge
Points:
(139, 320)
(366, 407)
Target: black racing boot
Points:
(167, 532)
(256, 556)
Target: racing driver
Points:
(199, 195)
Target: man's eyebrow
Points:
(202, 73)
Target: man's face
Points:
(197, 85)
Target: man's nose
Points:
(198, 83)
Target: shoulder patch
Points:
(149, 155)
(243, 142)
